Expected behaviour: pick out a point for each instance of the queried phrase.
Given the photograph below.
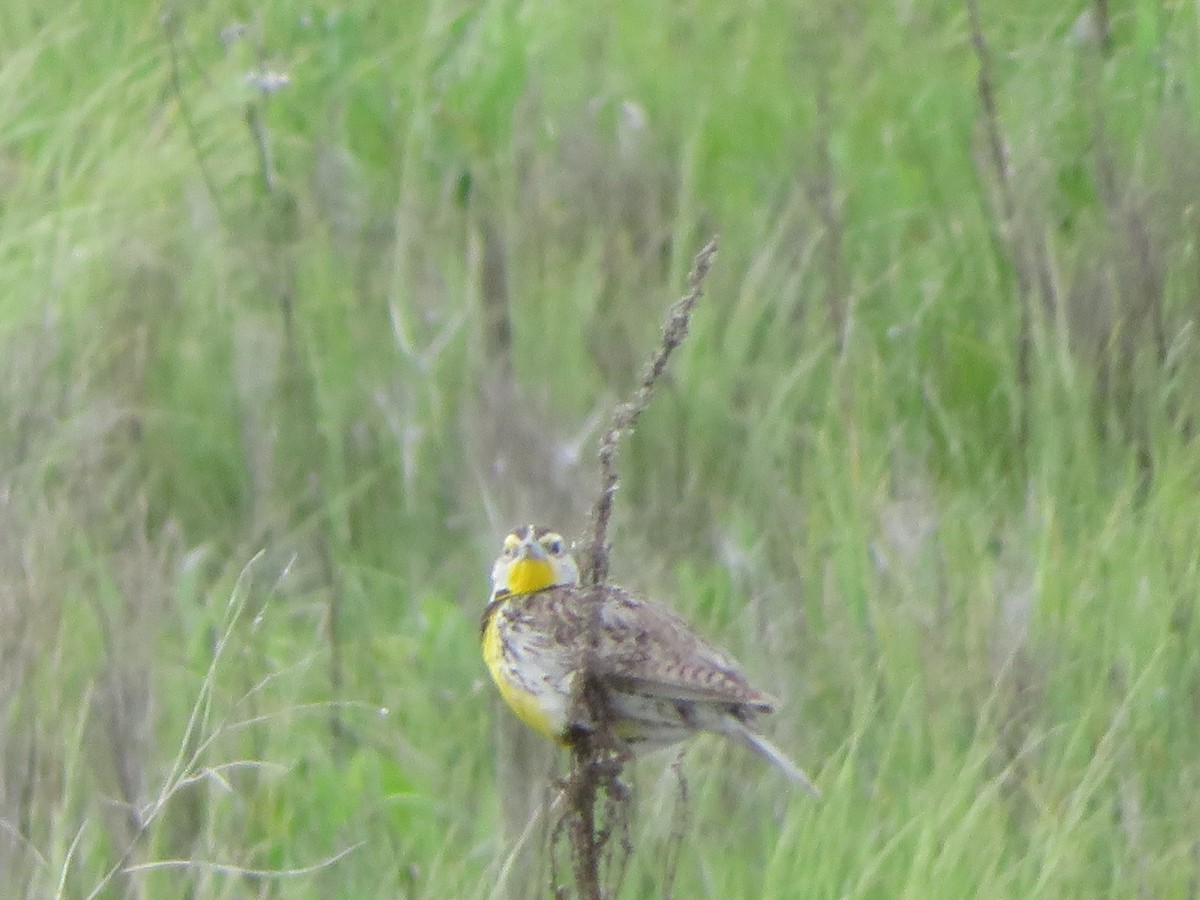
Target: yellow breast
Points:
(528, 576)
(527, 704)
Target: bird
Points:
(543, 634)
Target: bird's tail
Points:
(771, 754)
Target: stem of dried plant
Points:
(626, 415)
(597, 756)
(1031, 267)
(300, 389)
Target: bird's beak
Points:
(530, 548)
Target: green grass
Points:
(256, 451)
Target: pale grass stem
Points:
(186, 768)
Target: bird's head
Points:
(533, 558)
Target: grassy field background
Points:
(281, 363)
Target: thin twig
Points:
(262, 144)
(171, 28)
(182, 765)
(541, 812)
(598, 756)
(991, 114)
(597, 761)
(831, 218)
(231, 869)
(1123, 214)
(626, 415)
(266, 83)
(674, 847)
(1103, 26)
(1006, 237)
(254, 114)
(327, 566)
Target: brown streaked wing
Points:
(644, 647)
(648, 648)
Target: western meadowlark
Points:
(661, 680)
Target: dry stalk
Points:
(1103, 26)
(302, 434)
(832, 223)
(597, 755)
(625, 417)
(173, 32)
(1031, 267)
(678, 827)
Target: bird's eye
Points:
(511, 544)
(553, 543)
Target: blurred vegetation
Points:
(301, 308)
